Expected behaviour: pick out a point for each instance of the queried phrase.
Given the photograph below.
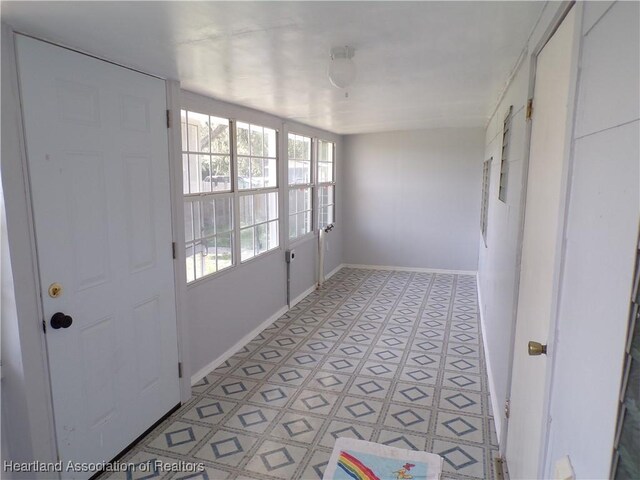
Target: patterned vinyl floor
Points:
(391, 357)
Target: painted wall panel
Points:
(412, 198)
(601, 239)
(609, 93)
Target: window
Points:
(300, 185)
(208, 213)
(486, 178)
(326, 183)
(258, 173)
(214, 193)
(504, 161)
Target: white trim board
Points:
(497, 414)
(210, 367)
(410, 269)
(334, 271)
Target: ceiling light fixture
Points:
(342, 70)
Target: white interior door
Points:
(540, 251)
(97, 153)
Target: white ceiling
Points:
(420, 64)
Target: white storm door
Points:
(96, 142)
(539, 267)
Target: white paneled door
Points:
(544, 218)
(96, 141)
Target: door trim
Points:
(23, 254)
(567, 168)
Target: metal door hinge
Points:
(179, 369)
(173, 250)
(529, 108)
(507, 408)
(498, 467)
(168, 118)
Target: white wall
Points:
(601, 241)
(498, 270)
(412, 198)
(223, 309)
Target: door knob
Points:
(60, 320)
(535, 348)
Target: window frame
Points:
(256, 191)
(189, 198)
(311, 186)
(235, 193)
(332, 183)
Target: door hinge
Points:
(168, 118)
(529, 109)
(507, 408)
(44, 326)
(179, 369)
(173, 250)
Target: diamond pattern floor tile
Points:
(389, 357)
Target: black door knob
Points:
(60, 320)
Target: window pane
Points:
(300, 221)
(274, 239)
(185, 174)
(190, 267)
(220, 179)
(273, 205)
(244, 173)
(260, 208)
(188, 222)
(293, 226)
(207, 207)
(198, 259)
(261, 238)
(219, 135)
(270, 145)
(194, 174)
(270, 173)
(209, 256)
(198, 132)
(324, 172)
(246, 211)
(307, 221)
(330, 214)
(242, 141)
(256, 140)
(293, 204)
(197, 220)
(246, 244)
(223, 216)
(257, 173)
(224, 250)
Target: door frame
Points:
(567, 168)
(23, 251)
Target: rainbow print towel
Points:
(359, 460)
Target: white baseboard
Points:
(334, 271)
(204, 371)
(410, 269)
(300, 297)
(207, 369)
(497, 412)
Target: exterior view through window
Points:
(231, 193)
